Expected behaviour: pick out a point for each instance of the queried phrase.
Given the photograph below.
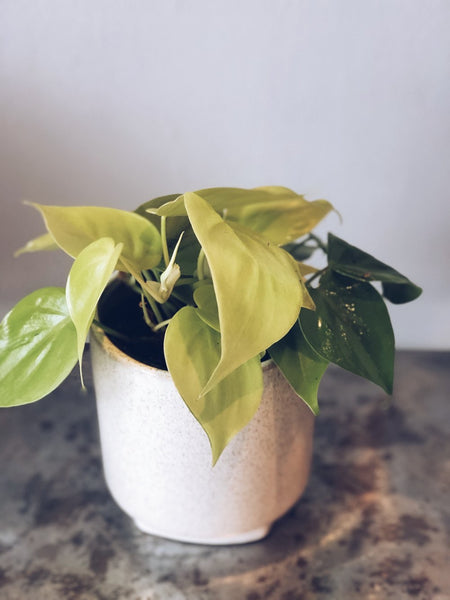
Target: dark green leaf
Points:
(351, 328)
(352, 262)
(38, 347)
(301, 251)
(400, 293)
(300, 364)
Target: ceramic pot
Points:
(157, 458)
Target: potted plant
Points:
(208, 346)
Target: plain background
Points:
(113, 102)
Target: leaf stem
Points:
(150, 300)
(319, 242)
(161, 325)
(164, 241)
(315, 276)
(146, 314)
(110, 330)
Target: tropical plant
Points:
(220, 276)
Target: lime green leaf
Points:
(257, 286)
(192, 350)
(87, 279)
(189, 247)
(42, 242)
(282, 219)
(205, 299)
(75, 227)
(278, 213)
(147, 209)
(219, 198)
(351, 328)
(300, 364)
(174, 226)
(357, 264)
(38, 347)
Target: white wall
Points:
(113, 102)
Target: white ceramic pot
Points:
(157, 458)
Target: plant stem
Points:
(161, 325)
(154, 307)
(313, 277)
(319, 242)
(145, 312)
(118, 334)
(164, 241)
(148, 297)
(111, 331)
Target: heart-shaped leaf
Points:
(75, 227)
(351, 328)
(300, 364)
(352, 262)
(257, 286)
(277, 213)
(87, 279)
(38, 347)
(192, 350)
(282, 219)
(219, 199)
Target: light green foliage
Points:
(38, 347)
(278, 213)
(75, 227)
(218, 269)
(42, 242)
(250, 277)
(205, 299)
(192, 350)
(87, 279)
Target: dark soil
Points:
(119, 309)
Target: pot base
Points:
(226, 540)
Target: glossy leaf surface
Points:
(250, 277)
(75, 227)
(352, 262)
(38, 347)
(192, 350)
(301, 365)
(87, 279)
(351, 328)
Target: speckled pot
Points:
(157, 458)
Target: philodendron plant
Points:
(220, 275)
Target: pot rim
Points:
(102, 339)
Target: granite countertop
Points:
(374, 522)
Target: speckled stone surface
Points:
(373, 524)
